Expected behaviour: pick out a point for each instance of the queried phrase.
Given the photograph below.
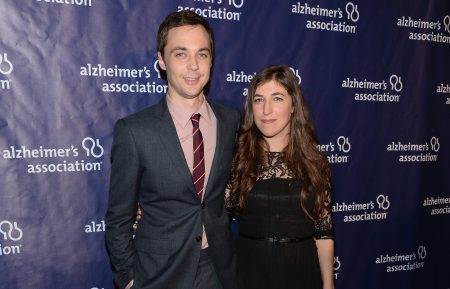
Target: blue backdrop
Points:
(375, 75)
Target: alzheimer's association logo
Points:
(92, 147)
(6, 68)
(352, 12)
(396, 83)
(10, 234)
(336, 267)
(447, 23)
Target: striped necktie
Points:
(198, 171)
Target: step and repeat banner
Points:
(376, 75)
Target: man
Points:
(174, 159)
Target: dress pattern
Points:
(273, 210)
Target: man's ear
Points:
(161, 62)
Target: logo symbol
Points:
(383, 202)
(93, 147)
(234, 3)
(435, 144)
(156, 67)
(447, 23)
(4, 59)
(297, 74)
(344, 144)
(8, 233)
(337, 263)
(422, 252)
(396, 82)
(352, 11)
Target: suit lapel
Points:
(172, 146)
(219, 148)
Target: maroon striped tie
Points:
(198, 171)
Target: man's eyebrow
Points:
(178, 48)
(185, 49)
(205, 49)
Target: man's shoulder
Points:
(219, 105)
(146, 115)
(226, 110)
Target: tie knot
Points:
(195, 118)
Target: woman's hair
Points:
(301, 154)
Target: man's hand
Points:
(137, 220)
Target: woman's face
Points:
(272, 110)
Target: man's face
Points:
(187, 61)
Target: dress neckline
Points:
(274, 153)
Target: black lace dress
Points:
(273, 211)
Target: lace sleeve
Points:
(324, 223)
(231, 202)
(231, 198)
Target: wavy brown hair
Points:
(301, 154)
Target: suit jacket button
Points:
(203, 205)
(198, 238)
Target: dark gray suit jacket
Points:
(149, 167)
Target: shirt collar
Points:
(183, 116)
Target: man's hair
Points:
(181, 18)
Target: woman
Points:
(281, 188)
